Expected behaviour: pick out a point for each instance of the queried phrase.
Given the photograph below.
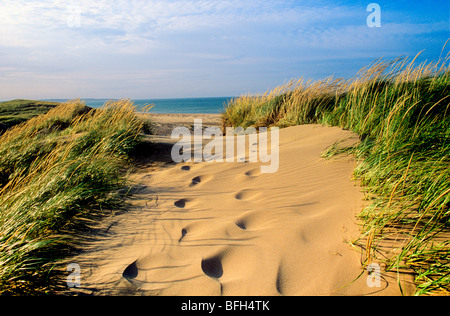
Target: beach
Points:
(164, 123)
(226, 228)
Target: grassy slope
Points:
(17, 111)
(402, 114)
(57, 172)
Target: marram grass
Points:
(401, 112)
(58, 170)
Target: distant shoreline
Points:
(202, 105)
(16, 111)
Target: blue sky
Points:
(198, 48)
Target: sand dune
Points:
(228, 229)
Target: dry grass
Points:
(401, 112)
(57, 171)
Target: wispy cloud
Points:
(164, 42)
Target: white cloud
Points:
(160, 42)
(24, 22)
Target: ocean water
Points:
(180, 105)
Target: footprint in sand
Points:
(183, 233)
(246, 194)
(196, 181)
(200, 179)
(241, 224)
(181, 203)
(251, 220)
(131, 271)
(286, 283)
(248, 175)
(253, 173)
(212, 267)
(280, 282)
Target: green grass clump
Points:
(57, 171)
(402, 114)
(18, 111)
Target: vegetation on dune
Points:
(57, 171)
(60, 169)
(18, 111)
(402, 115)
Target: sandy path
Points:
(227, 229)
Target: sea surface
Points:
(180, 105)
